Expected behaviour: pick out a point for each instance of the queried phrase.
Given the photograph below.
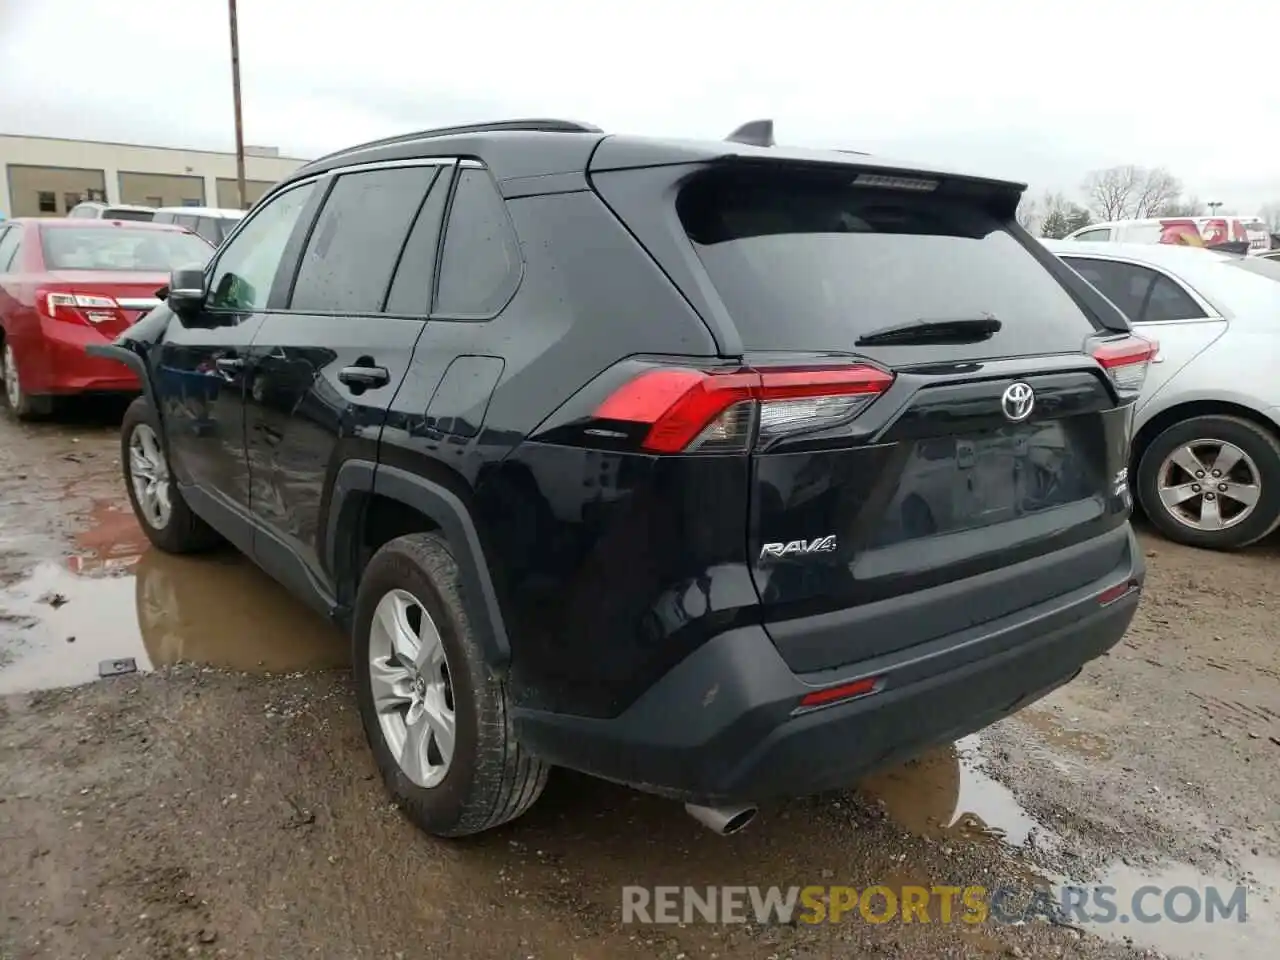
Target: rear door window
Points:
(1098, 235)
(412, 285)
(1143, 295)
(803, 264)
(355, 243)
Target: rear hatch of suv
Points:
(929, 411)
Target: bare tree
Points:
(1271, 214)
(1029, 213)
(1188, 207)
(1157, 188)
(1061, 216)
(1111, 192)
(1122, 193)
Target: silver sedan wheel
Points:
(12, 387)
(411, 687)
(149, 473)
(1209, 485)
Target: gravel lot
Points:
(221, 802)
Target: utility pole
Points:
(235, 93)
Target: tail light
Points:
(1126, 362)
(695, 411)
(79, 307)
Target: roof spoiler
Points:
(755, 133)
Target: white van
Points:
(1190, 231)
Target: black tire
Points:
(1261, 446)
(490, 779)
(28, 407)
(184, 532)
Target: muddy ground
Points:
(220, 802)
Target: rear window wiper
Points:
(963, 330)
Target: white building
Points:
(46, 176)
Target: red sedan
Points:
(67, 283)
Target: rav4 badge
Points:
(798, 548)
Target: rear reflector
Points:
(1112, 594)
(845, 691)
(1126, 362)
(698, 411)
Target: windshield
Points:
(805, 265)
(107, 248)
(1262, 266)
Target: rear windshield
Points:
(115, 213)
(812, 265)
(122, 248)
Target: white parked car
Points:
(1205, 466)
(212, 223)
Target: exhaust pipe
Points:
(721, 820)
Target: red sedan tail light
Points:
(78, 307)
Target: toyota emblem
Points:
(1018, 401)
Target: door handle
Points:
(364, 378)
(230, 364)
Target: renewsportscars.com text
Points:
(935, 904)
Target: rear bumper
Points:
(61, 365)
(723, 726)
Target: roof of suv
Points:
(514, 149)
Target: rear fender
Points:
(133, 349)
(358, 478)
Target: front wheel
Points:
(435, 716)
(157, 502)
(1212, 482)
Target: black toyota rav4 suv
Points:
(719, 469)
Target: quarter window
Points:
(1143, 295)
(244, 272)
(480, 264)
(355, 244)
(1093, 235)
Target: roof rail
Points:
(497, 126)
(756, 133)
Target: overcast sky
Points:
(1042, 95)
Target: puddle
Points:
(117, 598)
(1052, 730)
(1187, 913)
(943, 794)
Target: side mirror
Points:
(186, 291)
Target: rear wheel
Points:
(435, 716)
(157, 502)
(1212, 482)
(23, 405)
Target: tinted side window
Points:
(356, 240)
(480, 264)
(8, 246)
(415, 275)
(1168, 301)
(1094, 235)
(1123, 284)
(244, 272)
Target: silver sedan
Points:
(1205, 466)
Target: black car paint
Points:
(591, 570)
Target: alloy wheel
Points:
(412, 689)
(12, 386)
(1209, 485)
(149, 473)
